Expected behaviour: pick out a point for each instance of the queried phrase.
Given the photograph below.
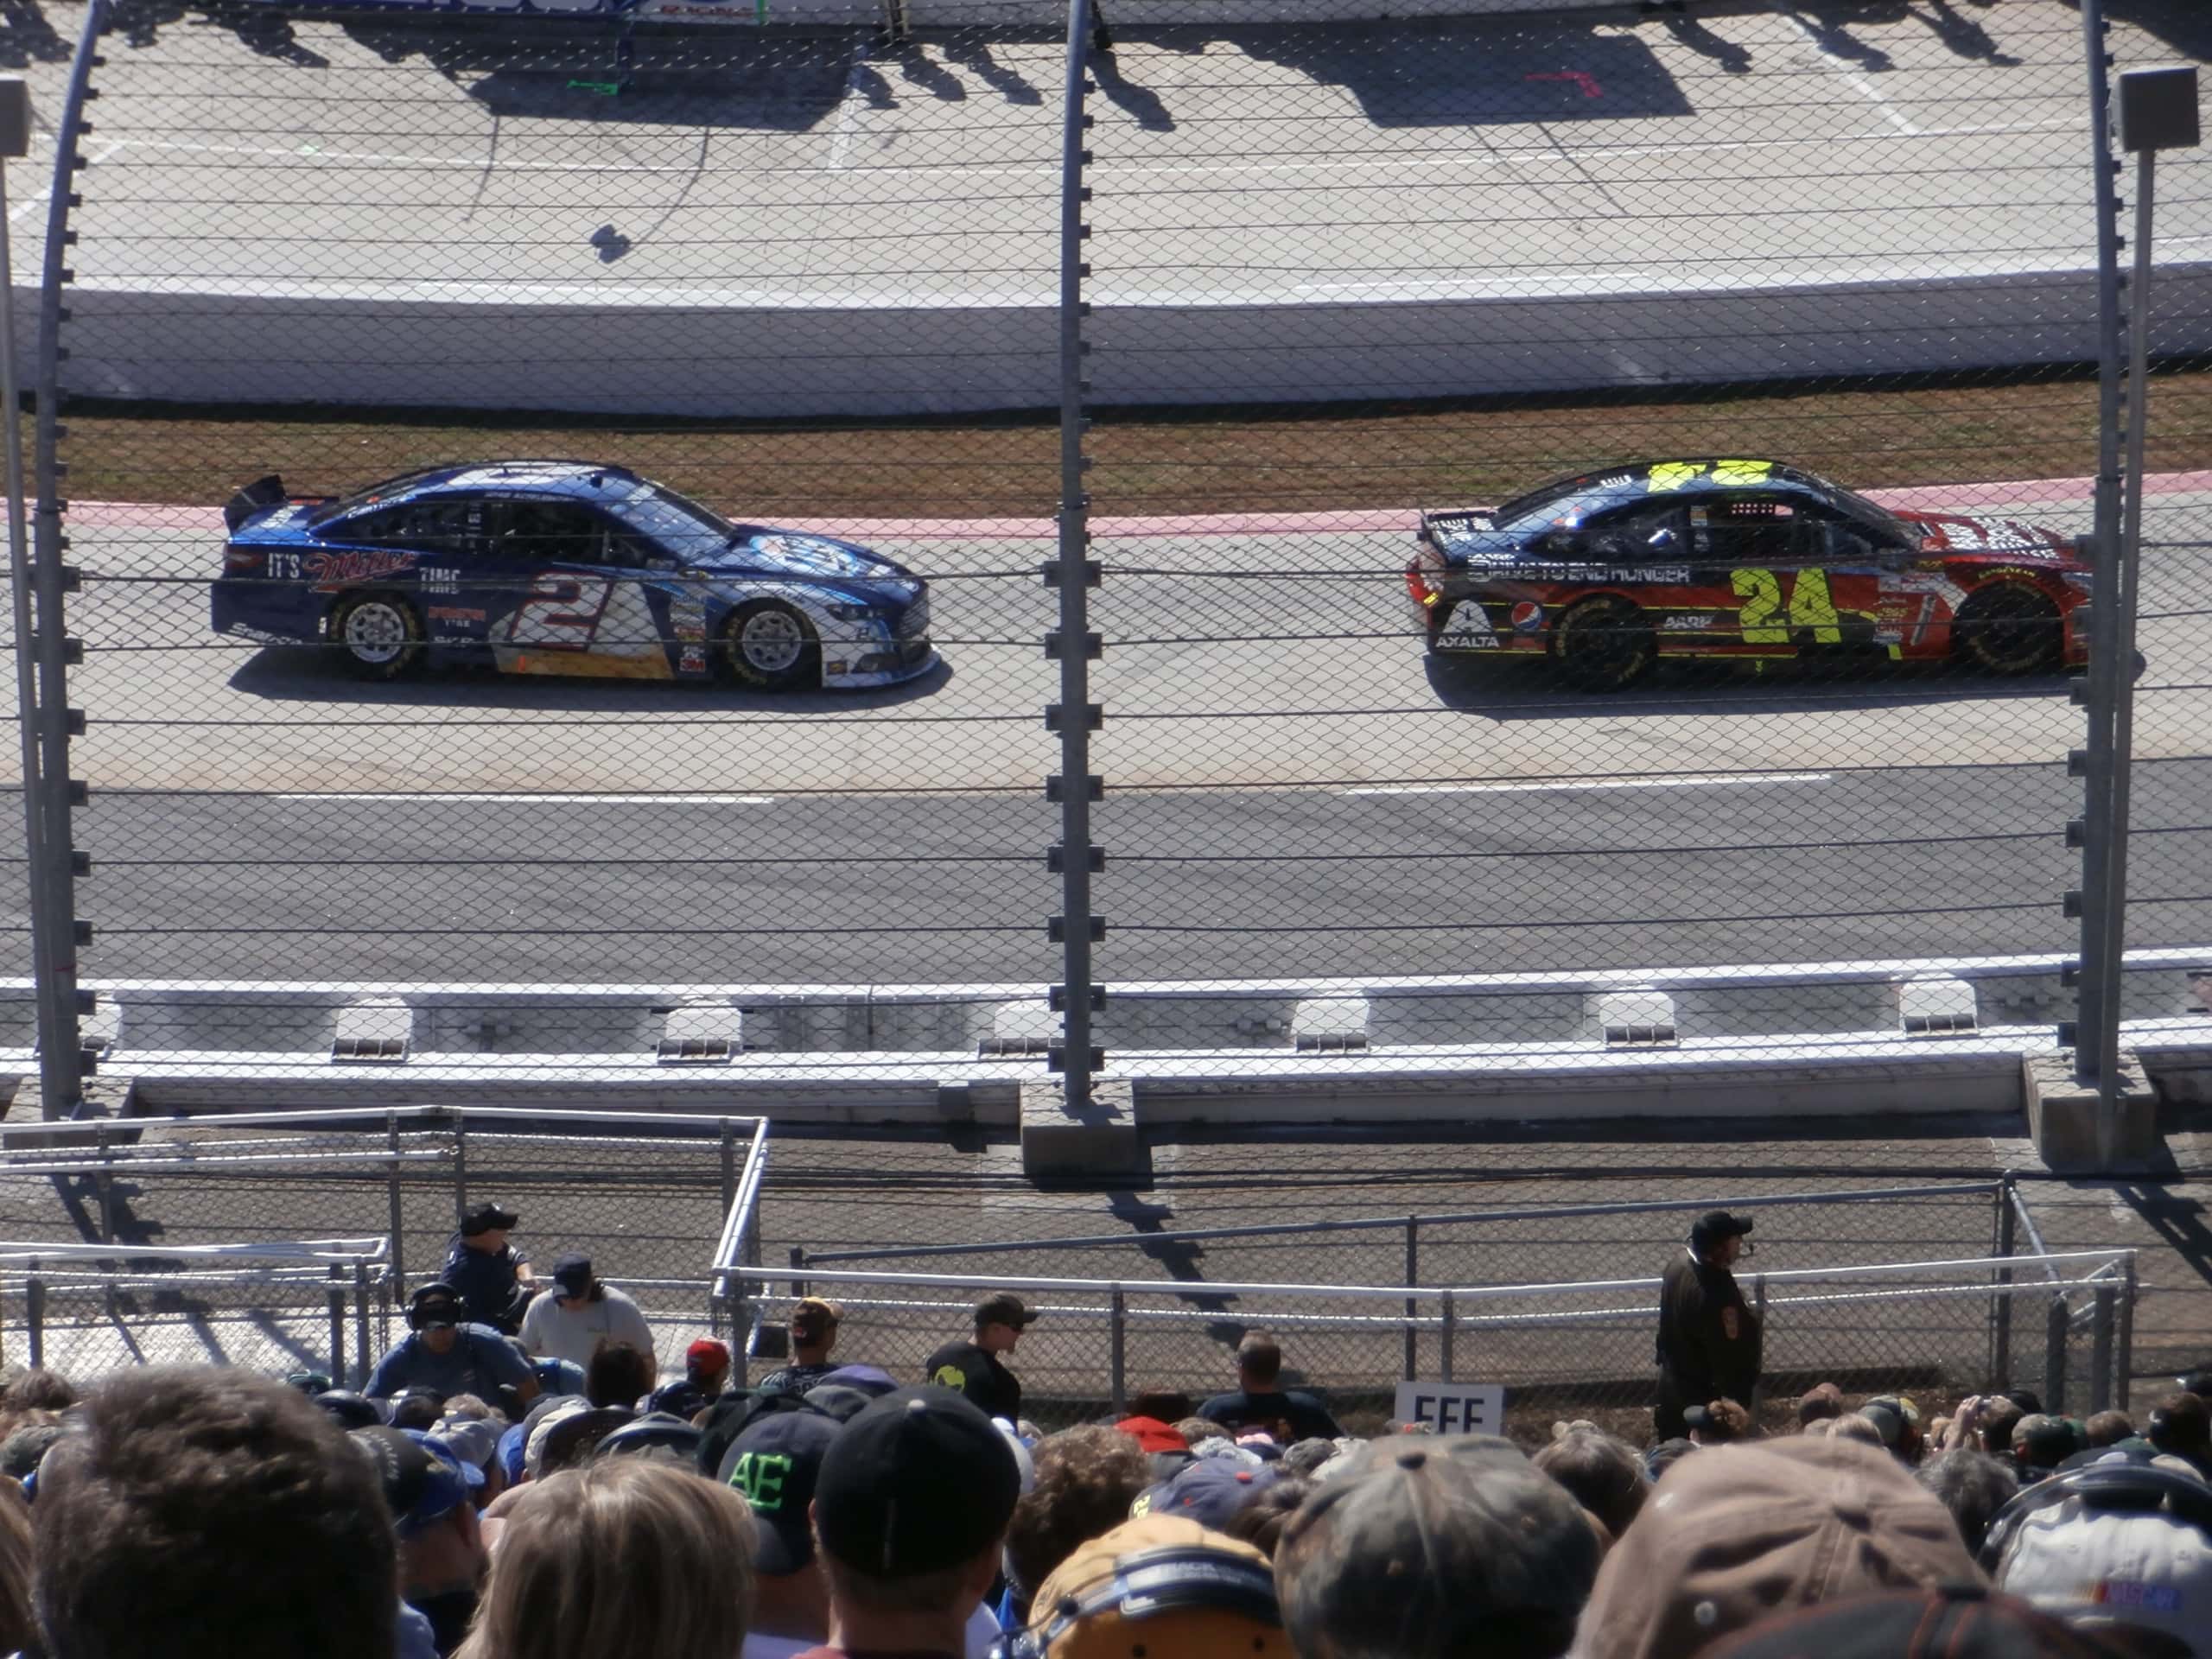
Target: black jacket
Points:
(963, 1366)
(1708, 1336)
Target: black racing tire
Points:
(380, 634)
(1605, 644)
(2009, 627)
(770, 646)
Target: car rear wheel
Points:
(769, 645)
(380, 633)
(2009, 628)
(1604, 644)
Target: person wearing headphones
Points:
(1708, 1335)
(444, 1352)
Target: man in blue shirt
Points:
(446, 1353)
(492, 1276)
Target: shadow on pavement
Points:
(1505, 690)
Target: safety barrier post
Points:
(360, 1325)
(729, 1167)
(2057, 1324)
(1411, 1369)
(1074, 787)
(2100, 1348)
(1118, 1359)
(35, 1313)
(460, 1166)
(392, 1188)
(2125, 1373)
(1451, 1331)
(2000, 1300)
(798, 1265)
(336, 1297)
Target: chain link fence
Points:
(649, 1199)
(1272, 323)
(1933, 1329)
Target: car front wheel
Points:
(768, 645)
(2009, 628)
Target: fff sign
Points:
(1453, 1407)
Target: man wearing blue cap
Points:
(430, 1491)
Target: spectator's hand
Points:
(1960, 1430)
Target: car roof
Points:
(583, 480)
(1634, 477)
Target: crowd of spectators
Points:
(525, 1496)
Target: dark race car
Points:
(1607, 572)
(563, 567)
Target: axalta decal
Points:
(329, 571)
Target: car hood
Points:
(1954, 533)
(762, 551)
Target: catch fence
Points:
(1195, 310)
(652, 1199)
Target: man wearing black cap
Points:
(1708, 1336)
(910, 1505)
(774, 1464)
(492, 1276)
(444, 1352)
(974, 1370)
(578, 1312)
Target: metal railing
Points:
(1920, 1326)
(88, 1308)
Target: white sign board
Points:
(1453, 1407)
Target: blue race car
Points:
(563, 567)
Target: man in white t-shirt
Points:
(581, 1313)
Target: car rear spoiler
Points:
(267, 491)
(1456, 518)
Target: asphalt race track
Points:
(1292, 789)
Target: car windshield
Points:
(678, 525)
(1544, 499)
(1871, 513)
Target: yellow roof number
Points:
(1673, 475)
(1725, 473)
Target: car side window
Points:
(448, 528)
(383, 527)
(1739, 531)
(553, 533)
(1646, 534)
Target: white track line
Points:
(412, 797)
(1850, 77)
(1592, 783)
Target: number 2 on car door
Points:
(1811, 606)
(560, 611)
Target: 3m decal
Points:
(694, 660)
(1810, 607)
(330, 571)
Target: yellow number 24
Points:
(1810, 607)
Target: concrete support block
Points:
(2063, 1116)
(372, 1029)
(702, 1032)
(1936, 1004)
(1633, 1017)
(1099, 1143)
(1330, 1024)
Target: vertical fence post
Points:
(2124, 1377)
(1074, 574)
(395, 1221)
(2000, 1300)
(50, 793)
(105, 1183)
(360, 1325)
(729, 1167)
(1450, 1336)
(460, 1166)
(2056, 1327)
(798, 1265)
(2096, 982)
(35, 1313)
(2101, 1347)
(336, 1297)
(1118, 1352)
(1410, 1369)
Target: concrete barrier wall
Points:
(802, 360)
